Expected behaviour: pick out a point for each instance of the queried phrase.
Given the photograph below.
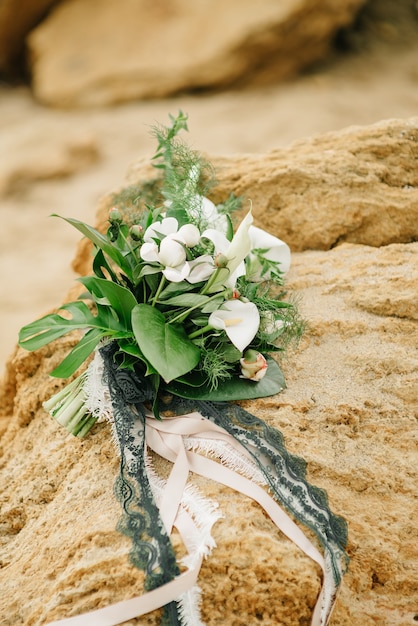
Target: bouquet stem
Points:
(68, 407)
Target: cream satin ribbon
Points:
(165, 437)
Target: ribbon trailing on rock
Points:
(251, 456)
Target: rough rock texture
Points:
(357, 185)
(15, 24)
(350, 410)
(141, 49)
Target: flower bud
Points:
(253, 365)
(221, 260)
(136, 232)
(115, 216)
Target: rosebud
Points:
(115, 216)
(253, 365)
(136, 232)
(235, 294)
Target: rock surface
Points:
(14, 26)
(349, 409)
(357, 185)
(138, 49)
(71, 154)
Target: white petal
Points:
(189, 234)
(218, 239)
(171, 252)
(149, 252)
(200, 269)
(176, 274)
(211, 215)
(240, 320)
(278, 250)
(240, 245)
(167, 226)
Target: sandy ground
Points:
(36, 250)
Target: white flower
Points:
(210, 213)
(171, 252)
(189, 234)
(240, 320)
(253, 365)
(277, 251)
(235, 252)
(158, 230)
(149, 252)
(200, 269)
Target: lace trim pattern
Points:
(284, 474)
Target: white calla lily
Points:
(240, 245)
(240, 320)
(277, 251)
(211, 215)
(235, 251)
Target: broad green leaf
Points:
(78, 354)
(50, 327)
(213, 305)
(187, 300)
(234, 388)
(100, 263)
(174, 289)
(101, 242)
(132, 348)
(119, 298)
(165, 346)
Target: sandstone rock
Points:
(138, 49)
(358, 185)
(41, 157)
(349, 409)
(14, 26)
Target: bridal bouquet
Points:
(180, 317)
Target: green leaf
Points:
(234, 388)
(165, 346)
(100, 263)
(180, 215)
(101, 242)
(120, 299)
(50, 327)
(174, 289)
(213, 305)
(78, 354)
(187, 300)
